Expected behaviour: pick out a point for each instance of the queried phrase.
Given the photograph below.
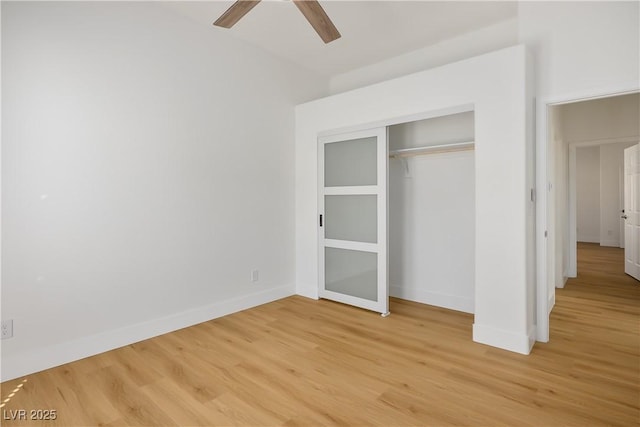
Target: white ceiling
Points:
(371, 30)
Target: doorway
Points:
(556, 240)
(598, 182)
(592, 136)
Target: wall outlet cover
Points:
(7, 329)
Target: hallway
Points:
(601, 278)
(597, 316)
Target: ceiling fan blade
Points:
(235, 12)
(318, 19)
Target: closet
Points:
(432, 211)
(478, 257)
(397, 214)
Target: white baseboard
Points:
(506, 340)
(22, 364)
(588, 239)
(564, 282)
(308, 291)
(610, 243)
(532, 337)
(552, 302)
(451, 302)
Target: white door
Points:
(621, 204)
(352, 219)
(631, 213)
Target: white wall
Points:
(147, 168)
(485, 40)
(580, 49)
(581, 46)
(602, 120)
(431, 207)
(497, 86)
(588, 194)
(577, 45)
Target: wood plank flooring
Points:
(298, 362)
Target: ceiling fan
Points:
(311, 10)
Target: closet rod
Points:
(432, 149)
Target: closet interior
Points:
(431, 211)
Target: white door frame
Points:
(545, 247)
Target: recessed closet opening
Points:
(432, 211)
(397, 214)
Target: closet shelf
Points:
(432, 149)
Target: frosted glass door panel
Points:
(352, 273)
(351, 163)
(352, 217)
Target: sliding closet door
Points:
(353, 219)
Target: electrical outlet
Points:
(7, 329)
(254, 275)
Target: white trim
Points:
(596, 93)
(552, 302)
(22, 364)
(603, 141)
(589, 239)
(346, 191)
(351, 300)
(572, 267)
(433, 149)
(451, 302)
(351, 246)
(543, 243)
(562, 284)
(310, 291)
(610, 243)
(356, 133)
(531, 336)
(456, 109)
(507, 340)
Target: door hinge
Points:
(533, 195)
(320, 220)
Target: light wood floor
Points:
(303, 362)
